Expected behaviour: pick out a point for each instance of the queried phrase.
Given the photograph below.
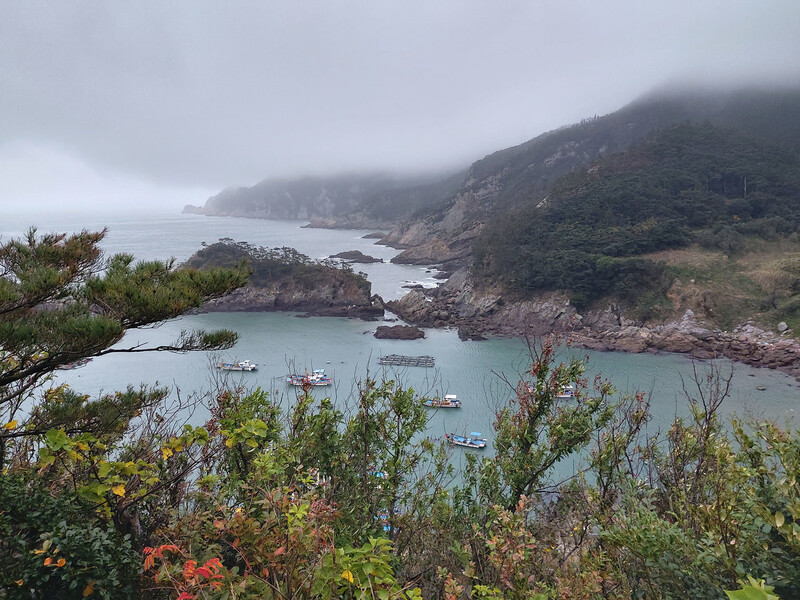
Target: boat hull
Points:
(244, 365)
(465, 442)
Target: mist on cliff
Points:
(127, 105)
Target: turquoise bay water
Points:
(279, 342)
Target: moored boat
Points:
(566, 392)
(242, 365)
(449, 401)
(473, 441)
(316, 378)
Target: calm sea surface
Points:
(281, 342)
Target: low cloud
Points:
(167, 96)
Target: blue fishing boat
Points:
(474, 440)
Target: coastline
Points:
(476, 315)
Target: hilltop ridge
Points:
(524, 175)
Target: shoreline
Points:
(476, 315)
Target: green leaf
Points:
(779, 519)
(104, 469)
(747, 593)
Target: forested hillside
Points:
(436, 219)
(689, 184)
(271, 265)
(522, 176)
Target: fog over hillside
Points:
(119, 105)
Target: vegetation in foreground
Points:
(114, 497)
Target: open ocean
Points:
(281, 342)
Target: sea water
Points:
(482, 374)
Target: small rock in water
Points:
(399, 332)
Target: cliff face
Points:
(475, 312)
(445, 236)
(329, 297)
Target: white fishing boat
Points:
(242, 365)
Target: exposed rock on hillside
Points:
(747, 343)
(330, 299)
(456, 303)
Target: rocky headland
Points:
(479, 313)
(284, 280)
(652, 210)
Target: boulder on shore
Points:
(399, 332)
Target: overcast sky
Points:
(164, 103)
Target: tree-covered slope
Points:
(523, 175)
(687, 184)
